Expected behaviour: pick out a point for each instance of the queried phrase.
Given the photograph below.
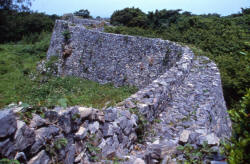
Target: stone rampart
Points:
(180, 102)
(104, 57)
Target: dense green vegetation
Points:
(225, 40)
(238, 150)
(16, 25)
(83, 13)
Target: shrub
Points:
(130, 17)
(237, 149)
(83, 13)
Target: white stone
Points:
(139, 161)
(85, 112)
(184, 136)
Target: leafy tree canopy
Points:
(83, 13)
(130, 17)
(20, 5)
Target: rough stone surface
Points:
(184, 136)
(37, 121)
(180, 102)
(41, 158)
(139, 161)
(105, 57)
(7, 122)
(24, 136)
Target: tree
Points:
(83, 13)
(130, 17)
(19, 5)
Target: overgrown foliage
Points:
(237, 149)
(9, 161)
(196, 155)
(19, 5)
(16, 25)
(83, 13)
(130, 17)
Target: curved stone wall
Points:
(104, 57)
(180, 101)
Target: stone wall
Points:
(180, 101)
(104, 57)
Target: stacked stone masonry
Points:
(180, 98)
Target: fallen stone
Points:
(42, 135)
(85, 112)
(21, 157)
(100, 116)
(94, 127)
(81, 133)
(110, 114)
(37, 121)
(52, 116)
(193, 138)
(108, 130)
(7, 148)
(184, 136)
(218, 162)
(70, 156)
(7, 122)
(65, 122)
(40, 158)
(129, 104)
(24, 136)
(139, 161)
(79, 157)
(211, 139)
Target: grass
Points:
(18, 64)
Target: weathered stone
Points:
(110, 114)
(100, 116)
(211, 139)
(193, 137)
(86, 112)
(184, 136)
(108, 130)
(37, 121)
(139, 161)
(52, 116)
(81, 133)
(179, 94)
(21, 157)
(65, 122)
(40, 158)
(218, 162)
(42, 135)
(79, 157)
(70, 156)
(109, 151)
(7, 148)
(24, 136)
(94, 127)
(129, 104)
(7, 122)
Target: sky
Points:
(105, 8)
